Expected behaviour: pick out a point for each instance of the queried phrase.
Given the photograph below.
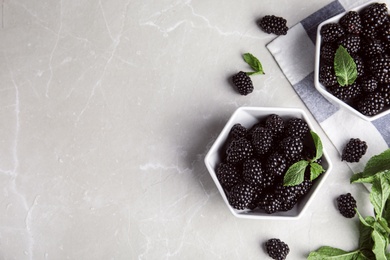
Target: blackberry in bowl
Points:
(253, 156)
(352, 60)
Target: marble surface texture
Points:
(107, 109)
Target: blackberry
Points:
(276, 124)
(287, 197)
(262, 140)
(359, 64)
(346, 205)
(297, 127)
(354, 150)
(254, 174)
(327, 76)
(369, 31)
(350, 42)
(331, 32)
(272, 205)
(276, 164)
(264, 200)
(372, 47)
(368, 84)
(291, 147)
(277, 249)
(328, 52)
(241, 196)
(274, 24)
(228, 175)
(238, 131)
(384, 90)
(345, 93)
(239, 150)
(351, 22)
(375, 14)
(243, 83)
(384, 32)
(380, 68)
(371, 104)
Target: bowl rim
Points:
(223, 135)
(321, 88)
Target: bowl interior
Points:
(248, 116)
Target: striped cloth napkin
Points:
(294, 53)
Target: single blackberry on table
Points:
(262, 140)
(350, 42)
(291, 147)
(238, 131)
(296, 127)
(375, 14)
(351, 22)
(277, 249)
(331, 32)
(328, 52)
(354, 150)
(384, 90)
(241, 196)
(239, 150)
(254, 174)
(380, 68)
(368, 84)
(276, 124)
(228, 175)
(371, 104)
(372, 47)
(274, 24)
(327, 76)
(243, 83)
(276, 164)
(346, 205)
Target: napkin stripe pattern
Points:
(295, 53)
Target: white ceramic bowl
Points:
(248, 116)
(321, 88)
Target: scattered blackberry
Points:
(331, 32)
(262, 140)
(241, 196)
(371, 104)
(327, 76)
(350, 42)
(354, 150)
(228, 175)
(239, 150)
(274, 24)
(372, 47)
(243, 83)
(346, 205)
(291, 147)
(351, 22)
(380, 68)
(297, 127)
(276, 164)
(276, 124)
(384, 90)
(368, 84)
(238, 131)
(277, 249)
(375, 14)
(328, 52)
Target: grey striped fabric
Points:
(294, 53)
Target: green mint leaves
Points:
(254, 63)
(374, 237)
(296, 173)
(344, 67)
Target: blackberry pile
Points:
(256, 158)
(346, 205)
(366, 37)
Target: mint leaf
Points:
(317, 144)
(386, 211)
(377, 163)
(295, 174)
(344, 67)
(315, 170)
(327, 252)
(379, 194)
(254, 63)
(380, 245)
(360, 178)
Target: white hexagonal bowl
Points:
(321, 88)
(248, 116)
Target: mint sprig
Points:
(344, 67)
(296, 172)
(254, 63)
(374, 231)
